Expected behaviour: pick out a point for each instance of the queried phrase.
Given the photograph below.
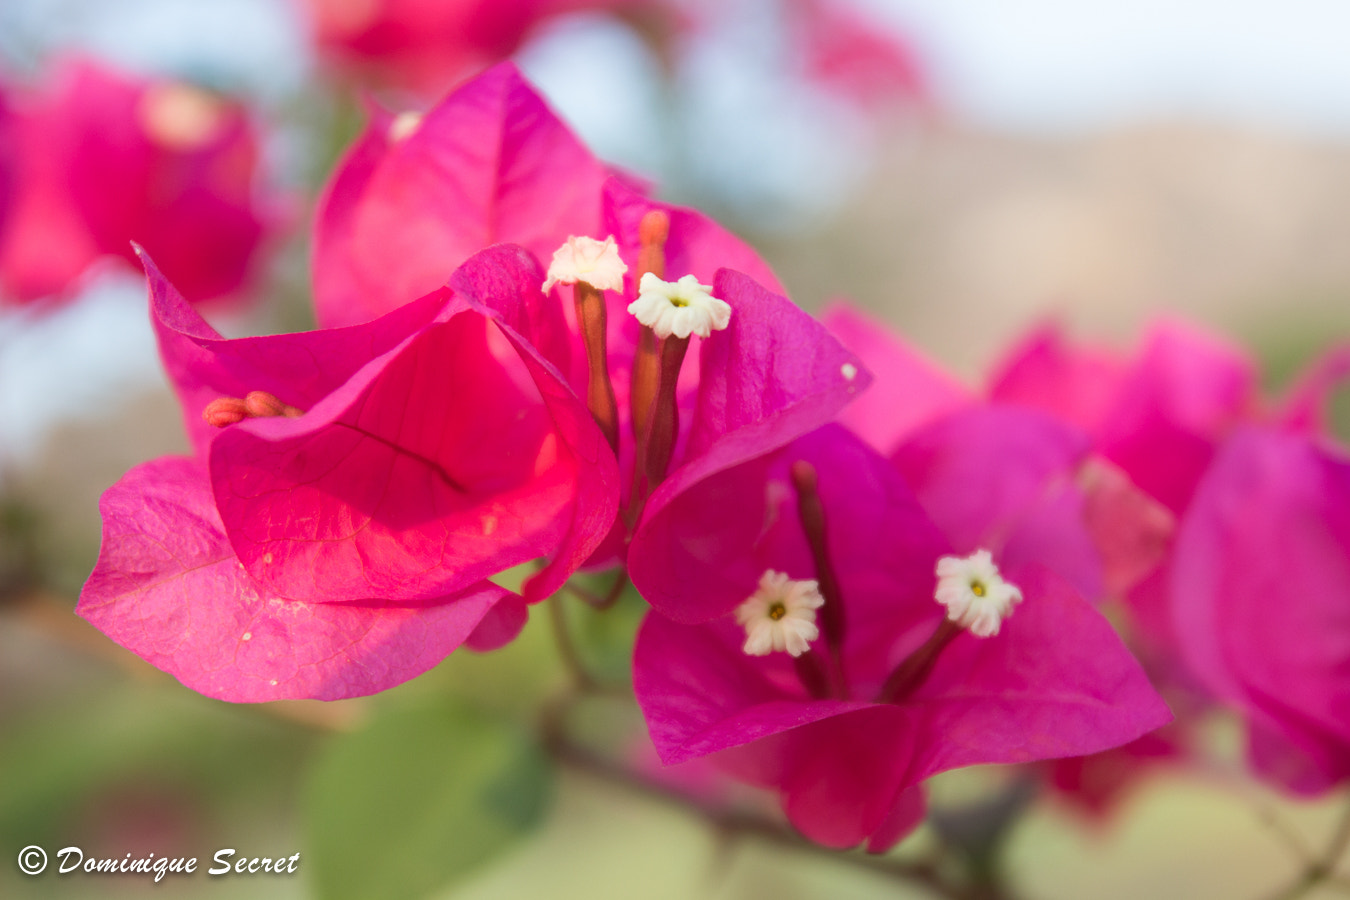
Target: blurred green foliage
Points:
(419, 798)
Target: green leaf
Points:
(417, 800)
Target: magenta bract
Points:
(908, 390)
(1055, 682)
(439, 445)
(772, 376)
(490, 163)
(169, 588)
(436, 446)
(1260, 599)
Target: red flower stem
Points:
(591, 318)
(912, 672)
(832, 621)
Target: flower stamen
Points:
(225, 411)
(679, 308)
(975, 595)
(780, 615)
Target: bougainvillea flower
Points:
(1055, 681)
(395, 465)
(425, 45)
(415, 196)
(1259, 592)
(391, 484)
(1007, 479)
(771, 376)
(104, 159)
(1033, 458)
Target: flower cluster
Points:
(846, 597)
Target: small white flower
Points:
(585, 259)
(680, 308)
(780, 615)
(975, 595)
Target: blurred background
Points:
(963, 169)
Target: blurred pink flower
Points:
(1056, 681)
(8, 162)
(857, 58)
(102, 159)
(1260, 590)
(426, 45)
(362, 495)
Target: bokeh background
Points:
(1100, 163)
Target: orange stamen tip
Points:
(261, 403)
(225, 411)
(654, 227)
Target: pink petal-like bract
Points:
(169, 588)
(1056, 681)
(437, 446)
(489, 164)
(1261, 597)
(1185, 391)
(771, 376)
(908, 391)
(1003, 479)
(1078, 384)
(103, 159)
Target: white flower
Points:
(680, 308)
(975, 595)
(585, 259)
(781, 615)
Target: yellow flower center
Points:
(977, 588)
(777, 611)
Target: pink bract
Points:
(1260, 599)
(1055, 682)
(439, 446)
(169, 588)
(431, 449)
(102, 159)
(426, 45)
(489, 164)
